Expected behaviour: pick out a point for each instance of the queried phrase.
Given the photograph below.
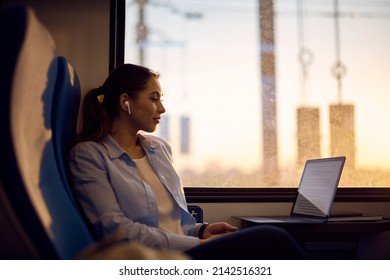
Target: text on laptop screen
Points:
(318, 186)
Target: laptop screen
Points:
(318, 186)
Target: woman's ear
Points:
(125, 102)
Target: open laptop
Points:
(316, 192)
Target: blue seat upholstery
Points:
(71, 234)
(39, 101)
(65, 106)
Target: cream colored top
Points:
(165, 202)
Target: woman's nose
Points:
(161, 108)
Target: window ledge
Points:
(279, 194)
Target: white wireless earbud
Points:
(128, 107)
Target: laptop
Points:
(316, 192)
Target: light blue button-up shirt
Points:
(113, 195)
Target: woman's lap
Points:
(254, 243)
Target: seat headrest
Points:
(43, 92)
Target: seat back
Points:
(64, 112)
(40, 95)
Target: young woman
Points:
(125, 179)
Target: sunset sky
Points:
(210, 71)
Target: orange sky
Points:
(210, 72)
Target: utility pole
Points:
(342, 120)
(267, 47)
(308, 117)
(142, 31)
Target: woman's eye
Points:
(156, 98)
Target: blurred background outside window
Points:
(253, 88)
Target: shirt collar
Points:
(115, 150)
(146, 143)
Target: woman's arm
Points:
(100, 204)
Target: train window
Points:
(254, 88)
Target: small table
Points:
(336, 240)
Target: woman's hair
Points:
(101, 105)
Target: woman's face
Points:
(146, 108)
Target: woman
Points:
(125, 179)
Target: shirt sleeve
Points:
(99, 202)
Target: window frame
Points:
(279, 194)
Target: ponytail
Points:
(95, 122)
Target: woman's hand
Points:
(218, 229)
